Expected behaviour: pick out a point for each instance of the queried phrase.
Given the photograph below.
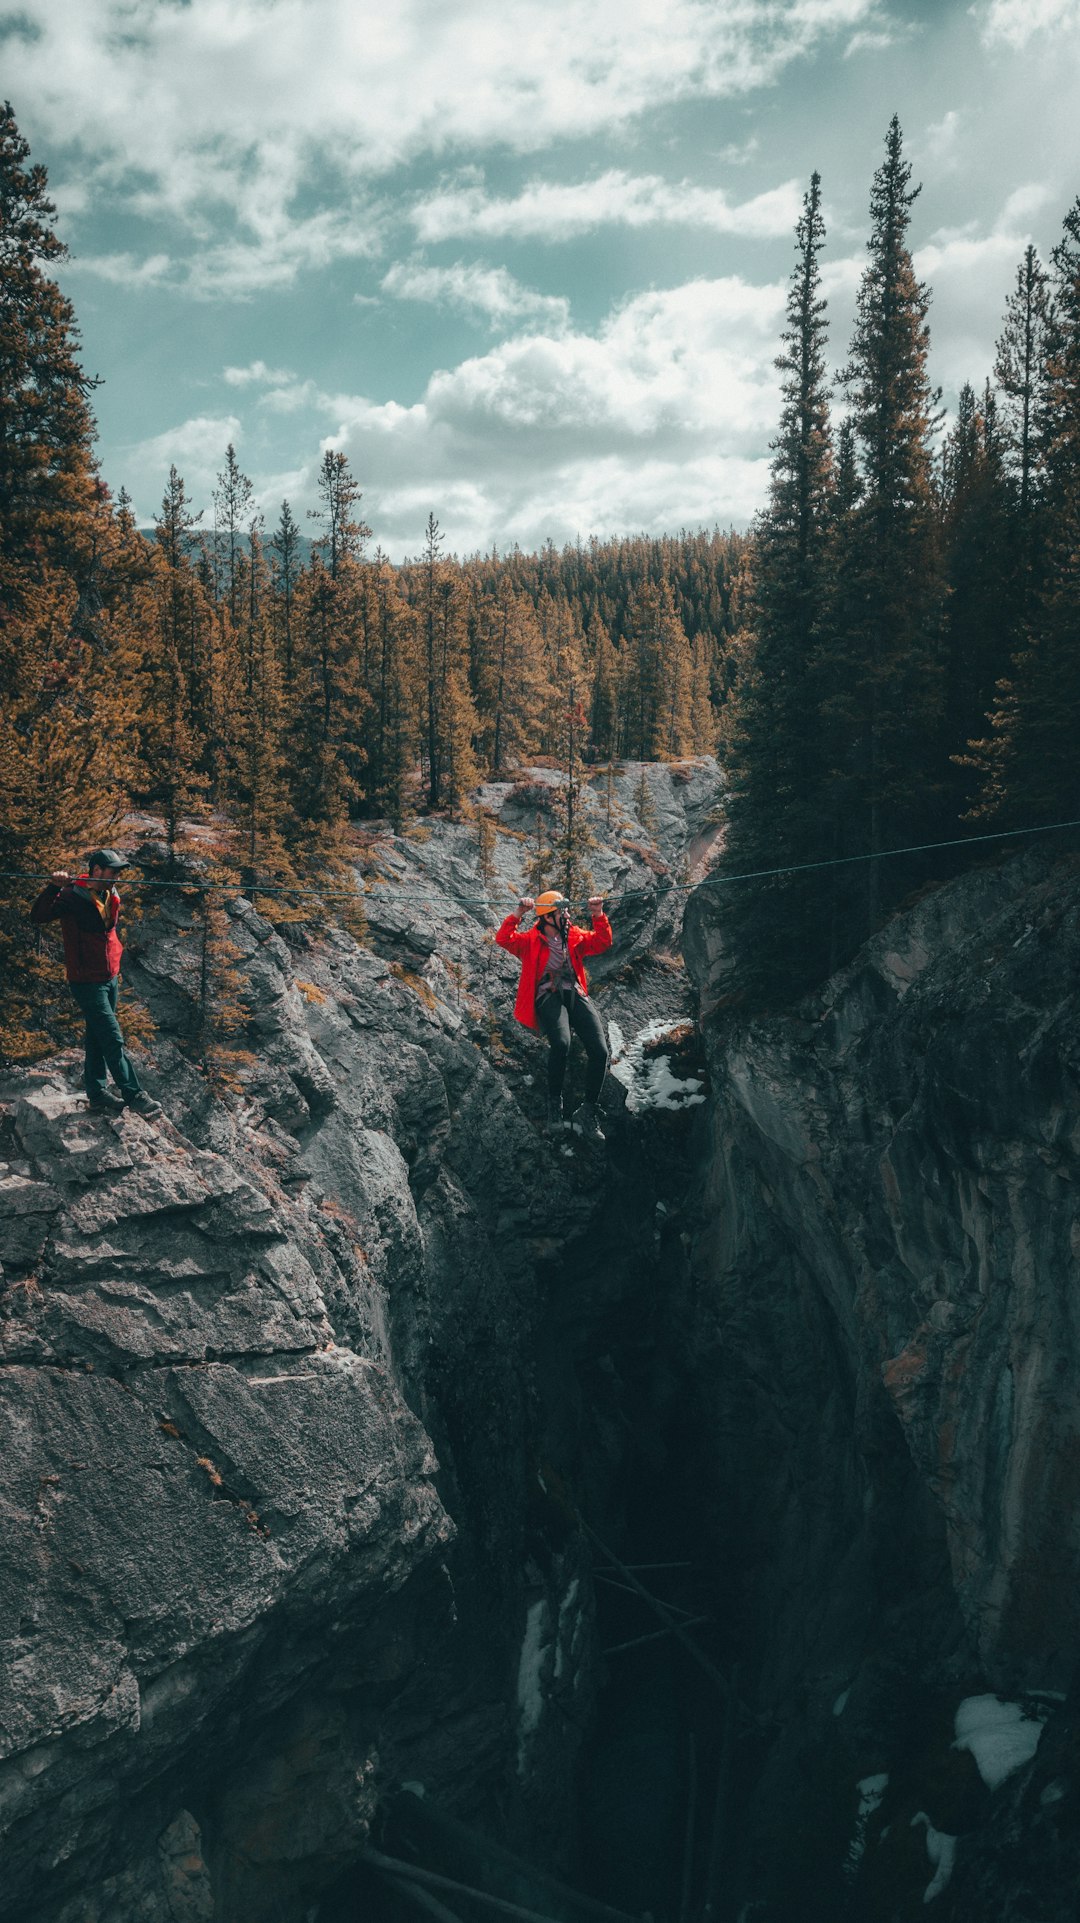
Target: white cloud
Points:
(941, 139)
(546, 210)
(656, 420)
(292, 396)
(971, 276)
(869, 42)
(1012, 23)
(490, 291)
(122, 270)
(575, 500)
(256, 372)
(239, 104)
(196, 448)
(1022, 205)
(281, 252)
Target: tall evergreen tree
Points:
(778, 802)
(392, 723)
(654, 696)
(344, 532)
(66, 742)
(981, 571)
(1031, 766)
(257, 788)
(573, 838)
(233, 500)
(47, 477)
(326, 719)
(1020, 369)
(509, 681)
(887, 665)
(604, 713)
(285, 572)
(432, 565)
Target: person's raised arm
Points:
(47, 905)
(597, 939)
(509, 935)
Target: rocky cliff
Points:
(883, 1307)
(693, 1516)
(291, 1386)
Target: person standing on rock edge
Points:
(553, 995)
(88, 908)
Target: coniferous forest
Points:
(889, 659)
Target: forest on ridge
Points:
(889, 658)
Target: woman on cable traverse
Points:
(553, 995)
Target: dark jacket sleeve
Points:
(48, 904)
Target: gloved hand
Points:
(596, 904)
(525, 904)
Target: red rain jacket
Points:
(92, 947)
(533, 950)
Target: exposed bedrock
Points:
(309, 1387)
(281, 1374)
(885, 1357)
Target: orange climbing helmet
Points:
(550, 902)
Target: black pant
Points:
(559, 1013)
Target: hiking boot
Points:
(555, 1120)
(587, 1122)
(105, 1104)
(143, 1104)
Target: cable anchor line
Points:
(365, 891)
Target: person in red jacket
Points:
(88, 908)
(553, 995)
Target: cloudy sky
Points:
(524, 260)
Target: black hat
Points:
(105, 858)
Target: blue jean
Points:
(104, 1041)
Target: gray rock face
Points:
(231, 1603)
(887, 1357)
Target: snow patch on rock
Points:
(534, 1649)
(650, 1081)
(999, 1735)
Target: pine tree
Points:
(487, 837)
(257, 788)
(286, 568)
(176, 669)
(47, 476)
(57, 791)
(392, 723)
(775, 743)
(508, 679)
(343, 532)
(233, 500)
(982, 575)
(449, 716)
(644, 805)
(886, 667)
(66, 702)
(702, 712)
(324, 726)
(654, 698)
(604, 715)
(541, 858)
(1031, 767)
(432, 575)
(1020, 369)
(572, 839)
